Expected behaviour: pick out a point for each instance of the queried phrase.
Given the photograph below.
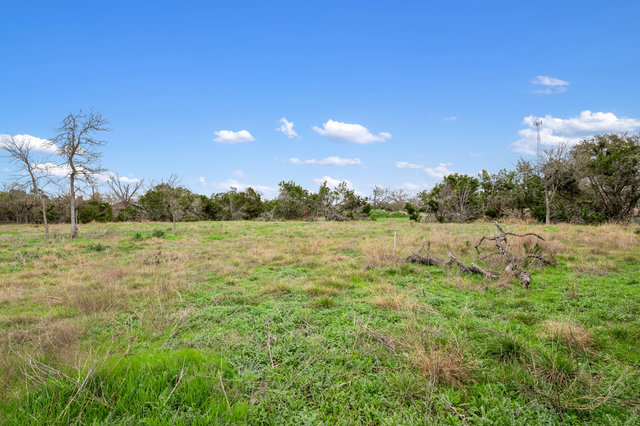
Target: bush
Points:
(96, 247)
(413, 212)
(95, 211)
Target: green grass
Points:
(278, 323)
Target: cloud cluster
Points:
(55, 170)
(329, 161)
(551, 85)
(405, 165)
(332, 182)
(36, 144)
(414, 187)
(570, 130)
(438, 172)
(286, 127)
(231, 137)
(355, 133)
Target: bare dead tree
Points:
(379, 196)
(398, 198)
(78, 146)
(555, 170)
(20, 151)
(123, 192)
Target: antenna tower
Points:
(538, 124)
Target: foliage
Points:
(596, 181)
(95, 211)
(611, 165)
(413, 212)
(455, 199)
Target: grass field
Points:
(252, 322)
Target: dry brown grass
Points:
(397, 302)
(315, 290)
(379, 253)
(443, 365)
(276, 288)
(570, 333)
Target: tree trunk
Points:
(547, 207)
(74, 225)
(44, 217)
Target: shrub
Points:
(158, 233)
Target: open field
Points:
(279, 322)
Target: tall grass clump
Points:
(153, 387)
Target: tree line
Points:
(594, 181)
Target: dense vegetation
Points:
(314, 322)
(597, 180)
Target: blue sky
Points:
(379, 92)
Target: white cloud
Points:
(126, 179)
(228, 184)
(230, 137)
(332, 182)
(329, 161)
(350, 132)
(552, 85)
(55, 170)
(405, 165)
(440, 171)
(570, 130)
(452, 118)
(545, 80)
(414, 187)
(36, 144)
(286, 127)
(238, 173)
(6, 170)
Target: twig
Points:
(223, 391)
(177, 383)
(269, 349)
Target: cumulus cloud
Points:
(329, 161)
(286, 127)
(332, 182)
(350, 132)
(406, 165)
(570, 130)
(414, 187)
(126, 179)
(231, 137)
(229, 184)
(55, 170)
(440, 171)
(36, 144)
(551, 85)
(238, 173)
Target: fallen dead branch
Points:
(515, 265)
(473, 269)
(424, 260)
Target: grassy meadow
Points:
(315, 323)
